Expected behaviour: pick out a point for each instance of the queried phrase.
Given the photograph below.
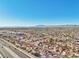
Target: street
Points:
(7, 51)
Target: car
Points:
(2, 46)
(9, 46)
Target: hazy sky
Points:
(38, 12)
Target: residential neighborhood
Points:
(58, 42)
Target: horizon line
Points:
(42, 25)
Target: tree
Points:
(51, 40)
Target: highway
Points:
(4, 52)
(7, 51)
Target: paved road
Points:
(1, 56)
(8, 51)
(4, 52)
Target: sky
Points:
(38, 12)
